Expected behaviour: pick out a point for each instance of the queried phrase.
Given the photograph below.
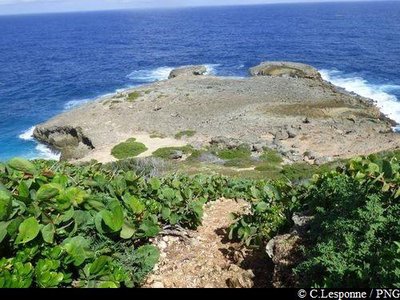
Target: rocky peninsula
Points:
(284, 106)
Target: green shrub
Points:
(89, 225)
(134, 96)
(127, 149)
(241, 152)
(166, 152)
(187, 133)
(271, 156)
(356, 229)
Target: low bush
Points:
(128, 149)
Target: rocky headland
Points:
(281, 105)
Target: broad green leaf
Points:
(155, 183)
(3, 230)
(98, 220)
(98, 265)
(78, 249)
(114, 217)
(149, 228)
(261, 207)
(5, 205)
(75, 195)
(165, 213)
(48, 191)
(397, 194)
(373, 168)
(127, 231)
(197, 208)
(168, 193)
(23, 190)
(107, 285)
(148, 256)
(48, 233)
(255, 193)
(387, 169)
(12, 229)
(23, 165)
(135, 205)
(27, 231)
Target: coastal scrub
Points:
(127, 149)
(187, 133)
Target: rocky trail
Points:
(206, 258)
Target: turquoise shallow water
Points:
(50, 63)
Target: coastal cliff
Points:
(284, 106)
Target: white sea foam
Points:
(27, 135)
(151, 75)
(75, 103)
(162, 73)
(211, 68)
(41, 151)
(45, 152)
(387, 102)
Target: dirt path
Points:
(207, 259)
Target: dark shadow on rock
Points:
(255, 260)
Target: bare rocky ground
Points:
(285, 106)
(205, 258)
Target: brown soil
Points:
(208, 259)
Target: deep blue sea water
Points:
(50, 63)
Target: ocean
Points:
(53, 62)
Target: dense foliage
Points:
(354, 240)
(89, 226)
(355, 233)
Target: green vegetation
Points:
(356, 228)
(167, 152)
(187, 133)
(133, 96)
(89, 226)
(127, 149)
(157, 135)
(355, 232)
(241, 152)
(271, 156)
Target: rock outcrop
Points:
(285, 69)
(289, 109)
(285, 251)
(188, 71)
(70, 141)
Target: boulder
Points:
(285, 69)
(69, 140)
(188, 71)
(225, 143)
(177, 154)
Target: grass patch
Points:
(157, 135)
(271, 156)
(133, 96)
(239, 163)
(127, 149)
(187, 133)
(242, 152)
(166, 152)
(195, 155)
